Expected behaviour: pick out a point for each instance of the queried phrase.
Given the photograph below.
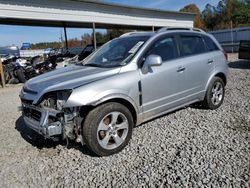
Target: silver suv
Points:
(129, 80)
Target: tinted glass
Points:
(245, 44)
(191, 45)
(210, 44)
(166, 48)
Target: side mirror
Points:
(151, 60)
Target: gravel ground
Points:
(191, 147)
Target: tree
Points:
(241, 15)
(192, 8)
(101, 37)
(226, 14)
(114, 33)
(208, 17)
(43, 45)
(86, 39)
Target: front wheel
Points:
(215, 94)
(107, 129)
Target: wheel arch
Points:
(217, 74)
(127, 103)
(222, 76)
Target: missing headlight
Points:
(49, 101)
(62, 97)
(56, 99)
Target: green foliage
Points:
(194, 9)
(114, 33)
(44, 45)
(85, 39)
(241, 14)
(227, 14)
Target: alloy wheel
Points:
(217, 93)
(112, 130)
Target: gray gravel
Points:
(191, 147)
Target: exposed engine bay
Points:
(54, 121)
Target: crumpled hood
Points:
(68, 78)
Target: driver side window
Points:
(165, 47)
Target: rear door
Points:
(198, 64)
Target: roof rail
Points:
(179, 28)
(132, 33)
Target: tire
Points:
(215, 94)
(20, 76)
(13, 81)
(105, 135)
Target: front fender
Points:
(124, 85)
(113, 94)
(94, 98)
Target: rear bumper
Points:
(40, 120)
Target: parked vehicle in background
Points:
(77, 58)
(89, 49)
(42, 64)
(26, 46)
(10, 51)
(49, 51)
(244, 49)
(129, 80)
(18, 70)
(13, 70)
(70, 52)
(3, 57)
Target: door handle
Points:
(210, 61)
(181, 69)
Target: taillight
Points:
(225, 54)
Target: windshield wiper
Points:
(101, 66)
(93, 65)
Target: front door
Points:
(162, 86)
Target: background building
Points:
(230, 38)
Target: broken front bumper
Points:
(44, 121)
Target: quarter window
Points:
(166, 48)
(210, 44)
(191, 45)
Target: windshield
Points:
(117, 52)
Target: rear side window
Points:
(165, 47)
(210, 44)
(191, 45)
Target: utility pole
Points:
(61, 39)
(94, 36)
(66, 40)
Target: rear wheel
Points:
(215, 94)
(107, 129)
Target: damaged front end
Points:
(49, 117)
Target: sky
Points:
(16, 35)
(175, 5)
